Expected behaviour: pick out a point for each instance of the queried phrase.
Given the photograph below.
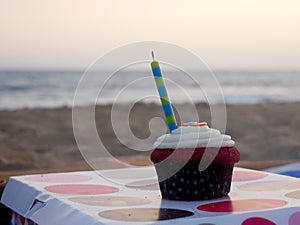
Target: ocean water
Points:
(48, 89)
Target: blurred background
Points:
(252, 47)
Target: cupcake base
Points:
(190, 184)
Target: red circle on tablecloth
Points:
(242, 205)
(81, 189)
(294, 219)
(257, 221)
(239, 176)
(59, 178)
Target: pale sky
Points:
(230, 34)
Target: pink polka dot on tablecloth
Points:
(59, 178)
(257, 221)
(242, 205)
(239, 176)
(294, 219)
(81, 189)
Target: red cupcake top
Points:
(225, 155)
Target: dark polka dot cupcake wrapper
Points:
(189, 184)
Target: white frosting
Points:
(194, 137)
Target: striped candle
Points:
(165, 101)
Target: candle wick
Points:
(152, 55)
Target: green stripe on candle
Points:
(159, 82)
(165, 100)
(154, 64)
(170, 119)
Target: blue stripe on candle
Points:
(168, 109)
(162, 91)
(156, 72)
(172, 126)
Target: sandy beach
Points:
(42, 139)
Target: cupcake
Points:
(177, 156)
